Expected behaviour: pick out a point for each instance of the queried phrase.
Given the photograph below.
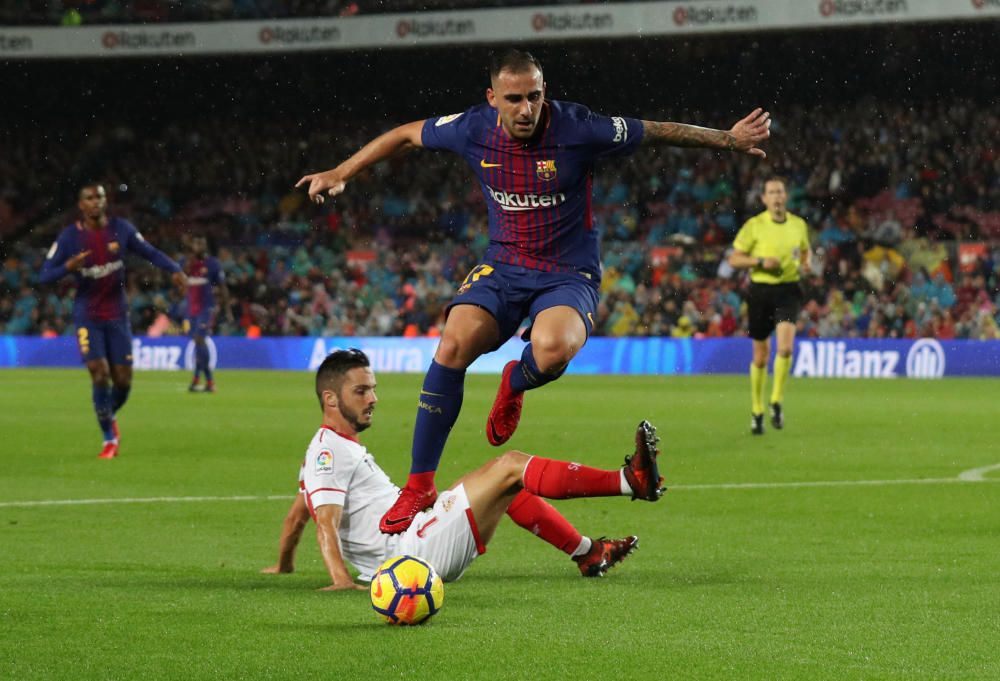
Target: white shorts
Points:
(446, 536)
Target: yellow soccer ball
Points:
(406, 590)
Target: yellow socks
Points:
(782, 367)
(757, 377)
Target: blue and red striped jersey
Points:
(100, 283)
(538, 192)
(202, 274)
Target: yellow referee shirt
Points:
(762, 237)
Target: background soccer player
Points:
(534, 160)
(346, 492)
(203, 274)
(774, 246)
(92, 249)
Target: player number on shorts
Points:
(83, 338)
(477, 271)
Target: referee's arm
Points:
(739, 260)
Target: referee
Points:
(774, 246)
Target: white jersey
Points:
(338, 470)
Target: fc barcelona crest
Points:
(113, 247)
(546, 170)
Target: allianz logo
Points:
(832, 359)
(101, 271)
(511, 201)
(173, 357)
(392, 357)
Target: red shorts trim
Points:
(480, 546)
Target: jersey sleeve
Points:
(136, 244)
(326, 474)
(447, 132)
(745, 241)
(216, 276)
(610, 135)
(54, 266)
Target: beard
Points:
(355, 417)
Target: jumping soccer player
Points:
(774, 246)
(346, 492)
(92, 250)
(534, 160)
(203, 272)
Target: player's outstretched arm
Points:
(743, 137)
(291, 532)
(386, 145)
(327, 522)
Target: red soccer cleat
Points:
(409, 503)
(109, 451)
(506, 411)
(604, 554)
(210, 386)
(641, 470)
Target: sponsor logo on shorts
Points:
(423, 528)
(429, 408)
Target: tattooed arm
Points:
(742, 137)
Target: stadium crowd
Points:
(906, 233)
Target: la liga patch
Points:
(324, 462)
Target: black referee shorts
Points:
(769, 304)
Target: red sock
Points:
(541, 519)
(566, 480)
(421, 482)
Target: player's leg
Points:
(786, 313)
(513, 483)
(562, 316)
(91, 339)
(119, 343)
(469, 332)
(761, 324)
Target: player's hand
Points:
(180, 281)
(770, 264)
(750, 132)
(345, 586)
(76, 262)
(331, 181)
(277, 570)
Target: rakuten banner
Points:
(562, 22)
(814, 358)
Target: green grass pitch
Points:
(885, 567)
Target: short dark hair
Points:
(87, 185)
(330, 374)
(775, 178)
(513, 60)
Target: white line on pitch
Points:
(133, 500)
(970, 476)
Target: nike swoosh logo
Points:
(484, 164)
(378, 589)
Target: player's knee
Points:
(784, 352)
(512, 463)
(453, 353)
(553, 352)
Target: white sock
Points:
(626, 488)
(583, 548)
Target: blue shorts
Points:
(110, 340)
(199, 326)
(511, 294)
